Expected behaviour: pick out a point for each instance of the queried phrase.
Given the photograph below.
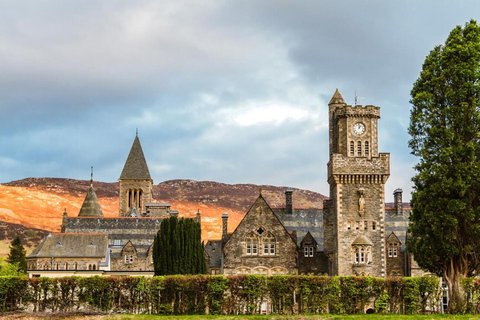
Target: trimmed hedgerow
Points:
(242, 294)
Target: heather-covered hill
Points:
(39, 202)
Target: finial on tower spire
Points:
(91, 176)
(136, 132)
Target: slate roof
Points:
(397, 224)
(72, 245)
(337, 98)
(90, 206)
(303, 221)
(136, 166)
(213, 248)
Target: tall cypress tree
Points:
(178, 248)
(445, 126)
(17, 255)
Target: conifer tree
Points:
(445, 130)
(177, 248)
(17, 255)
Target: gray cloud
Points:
(228, 91)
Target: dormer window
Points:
(393, 250)
(308, 251)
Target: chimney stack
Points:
(224, 226)
(398, 204)
(288, 201)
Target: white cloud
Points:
(270, 113)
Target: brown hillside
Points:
(40, 202)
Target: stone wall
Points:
(258, 223)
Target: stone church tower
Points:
(357, 173)
(135, 183)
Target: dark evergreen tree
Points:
(445, 130)
(17, 255)
(177, 248)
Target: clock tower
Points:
(357, 173)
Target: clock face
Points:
(359, 128)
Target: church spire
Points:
(90, 206)
(136, 166)
(337, 98)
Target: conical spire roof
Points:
(136, 166)
(90, 206)
(337, 98)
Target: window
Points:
(361, 254)
(367, 148)
(308, 251)
(359, 151)
(352, 148)
(117, 242)
(365, 225)
(392, 250)
(357, 225)
(269, 245)
(374, 225)
(128, 259)
(251, 244)
(349, 225)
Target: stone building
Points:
(127, 239)
(260, 244)
(354, 234)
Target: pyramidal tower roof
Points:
(136, 166)
(90, 206)
(337, 98)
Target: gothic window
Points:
(89, 267)
(352, 148)
(269, 245)
(367, 148)
(374, 225)
(361, 254)
(251, 243)
(349, 225)
(359, 151)
(365, 225)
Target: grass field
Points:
(252, 317)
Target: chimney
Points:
(397, 198)
(288, 201)
(224, 226)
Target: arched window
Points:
(251, 245)
(94, 267)
(89, 267)
(66, 265)
(352, 148)
(361, 254)
(367, 148)
(359, 151)
(269, 245)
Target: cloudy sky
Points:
(230, 91)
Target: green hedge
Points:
(227, 295)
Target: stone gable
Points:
(260, 244)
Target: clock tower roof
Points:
(337, 98)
